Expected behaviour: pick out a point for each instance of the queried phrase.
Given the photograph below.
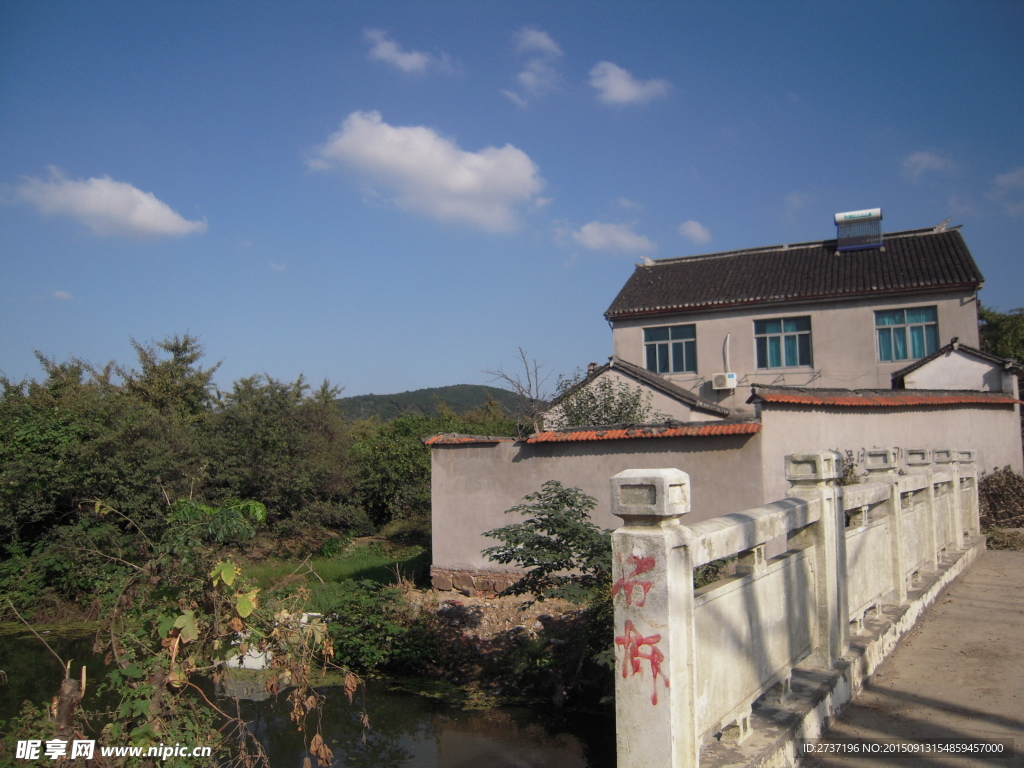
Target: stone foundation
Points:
(470, 581)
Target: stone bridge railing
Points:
(692, 663)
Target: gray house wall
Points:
(992, 431)
(843, 342)
(473, 484)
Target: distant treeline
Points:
(460, 398)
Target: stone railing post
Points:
(880, 462)
(655, 639)
(968, 510)
(918, 459)
(814, 476)
(948, 459)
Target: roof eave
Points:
(713, 306)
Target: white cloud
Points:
(695, 231)
(1014, 208)
(61, 295)
(387, 50)
(795, 202)
(107, 207)
(432, 174)
(1014, 178)
(600, 236)
(616, 85)
(518, 100)
(919, 163)
(1006, 187)
(540, 76)
(531, 39)
(625, 202)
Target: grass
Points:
(356, 563)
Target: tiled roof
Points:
(954, 345)
(614, 432)
(625, 432)
(915, 260)
(455, 439)
(875, 398)
(652, 380)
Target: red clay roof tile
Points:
(680, 430)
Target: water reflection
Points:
(406, 731)
(409, 731)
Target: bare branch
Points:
(528, 387)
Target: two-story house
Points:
(799, 314)
(754, 355)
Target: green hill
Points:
(459, 397)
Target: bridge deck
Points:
(958, 674)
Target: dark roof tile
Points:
(915, 260)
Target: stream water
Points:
(406, 731)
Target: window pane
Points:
(656, 334)
(663, 358)
(684, 331)
(884, 344)
(917, 341)
(767, 326)
(922, 315)
(896, 317)
(774, 351)
(762, 352)
(805, 349)
(796, 324)
(791, 357)
(652, 358)
(677, 357)
(690, 348)
(931, 339)
(899, 343)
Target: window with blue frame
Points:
(906, 334)
(671, 348)
(783, 343)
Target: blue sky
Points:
(395, 195)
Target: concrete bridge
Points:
(750, 669)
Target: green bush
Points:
(366, 622)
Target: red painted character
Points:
(627, 583)
(632, 642)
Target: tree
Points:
(567, 555)
(275, 442)
(393, 465)
(582, 401)
(1002, 334)
(176, 384)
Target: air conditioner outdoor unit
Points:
(723, 381)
